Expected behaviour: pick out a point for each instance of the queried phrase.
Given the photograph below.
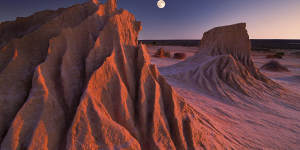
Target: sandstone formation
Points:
(79, 80)
(161, 53)
(224, 66)
(20, 57)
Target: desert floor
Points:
(288, 79)
(257, 122)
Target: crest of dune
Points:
(79, 80)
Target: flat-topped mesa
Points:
(232, 39)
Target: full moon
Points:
(161, 4)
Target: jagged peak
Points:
(96, 2)
(111, 6)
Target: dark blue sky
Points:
(188, 19)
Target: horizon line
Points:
(200, 39)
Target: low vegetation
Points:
(278, 55)
(274, 66)
(179, 55)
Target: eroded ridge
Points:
(87, 84)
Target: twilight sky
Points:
(188, 19)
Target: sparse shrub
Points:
(274, 56)
(274, 66)
(179, 55)
(278, 55)
(167, 54)
(261, 49)
(161, 53)
(297, 54)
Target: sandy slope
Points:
(189, 51)
(262, 125)
(290, 79)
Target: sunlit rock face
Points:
(24, 51)
(79, 80)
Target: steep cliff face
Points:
(20, 57)
(224, 66)
(81, 81)
(233, 40)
